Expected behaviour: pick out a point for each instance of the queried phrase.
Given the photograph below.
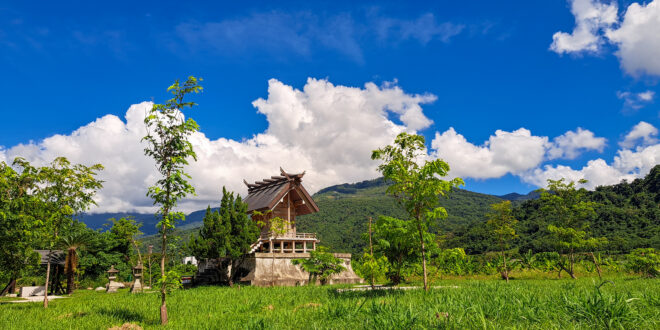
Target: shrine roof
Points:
(265, 194)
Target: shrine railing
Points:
(265, 236)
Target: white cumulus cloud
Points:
(591, 17)
(504, 152)
(635, 35)
(628, 164)
(320, 129)
(570, 144)
(509, 152)
(644, 132)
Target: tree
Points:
(18, 224)
(501, 223)
(126, 230)
(71, 242)
(226, 233)
(320, 265)
(168, 134)
(416, 184)
(569, 213)
(371, 267)
(395, 240)
(243, 232)
(67, 190)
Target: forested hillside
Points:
(345, 209)
(627, 214)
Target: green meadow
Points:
(619, 302)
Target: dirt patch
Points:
(126, 326)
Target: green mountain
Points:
(345, 209)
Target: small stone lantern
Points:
(113, 285)
(137, 274)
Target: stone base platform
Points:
(268, 269)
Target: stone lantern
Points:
(113, 285)
(137, 274)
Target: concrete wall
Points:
(266, 269)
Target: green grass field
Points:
(625, 303)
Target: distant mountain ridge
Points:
(360, 200)
(520, 197)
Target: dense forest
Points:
(627, 214)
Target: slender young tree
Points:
(501, 222)
(67, 190)
(168, 143)
(569, 212)
(416, 184)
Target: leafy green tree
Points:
(416, 186)
(67, 190)
(501, 224)
(226, 233)
(126, 230)
(18, 224)
(569, 212)
(395, 239)
(168, 134)
(320, 265)
(371, 267)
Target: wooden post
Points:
(282, 247)
(304, 246)
(270, 245)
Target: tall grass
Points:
(480, 304)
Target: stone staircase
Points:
(254, 247)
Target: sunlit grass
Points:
(550, 304)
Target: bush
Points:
(644, 261)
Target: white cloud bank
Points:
(509, 152)
(329, 131)
(630, 163)
(635, 34)
(320, 128)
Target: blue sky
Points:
(491, 66)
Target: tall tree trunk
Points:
(506, 270)
(596, 263)
(70, 271)
(371, 250)
(421, 241)
(163, 287)
(47, 279)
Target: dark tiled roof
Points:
(264, 194)
(262, 198)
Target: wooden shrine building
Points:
(283, 197)
(269, 261)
